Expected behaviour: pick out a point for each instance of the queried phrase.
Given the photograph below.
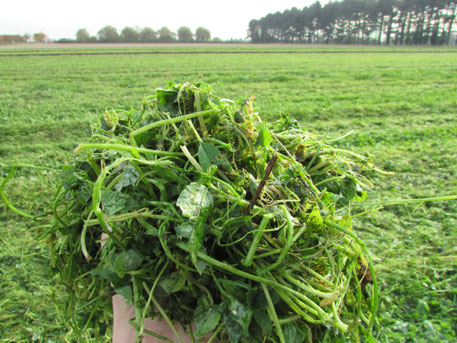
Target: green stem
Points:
(273, 315)
(148, 302)
(330, 179)
(255, 241)
(287, 299)
(269, 253)
(150, 333)
(406, 201)
(143, 110)
(316, 153)
(167, 251)
(5, 199)
(57, 197)
(214, 335)
(166, 122)
(286, 248)
(97, 191)
(167, 319)
(289, 319)
(128, 148)
(218, 142)
(83, 238)
(309, 289)
(137, 307)
(375, 301)
(127, 216)
(359, 297)
(259, 279)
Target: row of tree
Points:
(39, 37)
(387, 22)
(109, 34)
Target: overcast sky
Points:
(61, 19)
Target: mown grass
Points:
(402, 107)
(186, 48)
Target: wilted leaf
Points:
(329, 301)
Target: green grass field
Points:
(401, 105)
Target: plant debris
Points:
(209, 215)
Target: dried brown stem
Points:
(263, 182)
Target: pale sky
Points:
(61, 19)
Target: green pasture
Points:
(401, 106)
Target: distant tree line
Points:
(109, 34)
(409, 22)
(38, 37)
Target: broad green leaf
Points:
(166, 101)
(127, 261)
(264, 139)
(172, 283)
(113, 202)
(349, 188)
(126, 293)
(129, 177)
(236, 318)
(256, 334)
(209, 155)
(85, 193)
(261, 317)
(206, 320)
(106, 274)
(72, 176)
(194, 198)
(184, 230)
(292, 334)
(200, 265)
(68, 176)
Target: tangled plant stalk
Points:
(211, 216)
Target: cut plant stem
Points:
(255, 241)
(375, 301)
(309, 289)
(272, 314)
(166, 122)
(128, 148)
